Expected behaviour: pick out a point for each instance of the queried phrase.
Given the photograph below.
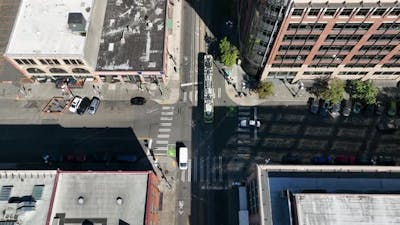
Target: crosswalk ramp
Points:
(208, 172)
(165, 127)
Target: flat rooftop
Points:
(98, 192)
(347, 209)
(41, 27)
(133, 36)
(16, 184)
(360, 180)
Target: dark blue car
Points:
(322, 160)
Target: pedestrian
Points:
(94, 87)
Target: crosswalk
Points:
(243, 133)
(192, 96)
(163, 135)
(208, 172)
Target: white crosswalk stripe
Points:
(167, 108)
(163, 136)
(166, 118)
(164, 130)
(219, 93)
(167, 113)
(165, 124)
(208, 171)
(185, 96)
(162, 140)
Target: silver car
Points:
(94, 105)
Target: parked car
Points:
(347, 104)
(83, 106)
(392, 109)
(314, 105)
(322, 160)
(323, 111)
(364, 160)
(345, 160)
(335, 110)
(249, 123)
(76, 101)
(126, 157)
(379, 108)
(94, 105)
(369, 110)
(101, 157)
(357, 107)
(384, 160)
(76, 158)
(290, 158)
(52, 158)
(138, 101)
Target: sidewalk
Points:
(284, 93)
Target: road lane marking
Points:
(167, 113)
(164, 130)
(166, 118)
(184, 96)
(219, 92)
(165, 124)
(161, 142)
(195, 96)
(161, 148)
(220, 169)
(183, 175)
(163, 136)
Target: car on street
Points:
(345, 160)
(249, 123)
(392, 108)
(347, 104)
(314, 105)
(357, 107)
(335, 110)
(364, 160)
(101, 157)
(76, 101)
(75, 158)
(384, 160)
(94, 105)
(183, 158)
(52, 158)
(387, 126)
(369, 110)
(379, 108)
(322, 160)
(291, 158)
(138, 101)
(323, 111)
(83, 106)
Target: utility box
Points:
(76, 22)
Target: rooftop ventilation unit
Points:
(76, 22)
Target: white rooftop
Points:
(99, 192)
(41, 27)
(347, 209)
(38, 184)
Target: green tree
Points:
(229, 53)
(364, 90)
(265, 89)
(333, 91)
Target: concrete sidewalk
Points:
(284, 93)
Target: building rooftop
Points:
(41, 27)
(107, 198)
(25, 196)
(347, 209)
(133, 36)
(276, 180)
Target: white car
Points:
(75, 104)
(251, 123)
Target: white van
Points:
(183, 158)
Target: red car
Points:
(76, 158)
(345, 160)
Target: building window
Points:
(66, 61)
(324, 65)
(379, 12)
(396, 57)
(79, 62)
(360, 65)
(395, 12)
(286, 65)
(377, 48)
(346, 12)
(73, 61)
(352, 73)
(79, 70)
(290, 57)
(56, 62)
(49, 61)
(5, 192)
(330, 12)
(389, 26)
(57, 70)
(32, 62)
(313, 12)
(391, 65)
(19, 61)
(306, 26)
(42, 61)
(317, 73)
(300, 37)
(336, 48)
(297, 12)
(368, 57)
(329, 57)
(343, 37)
(383, 37)
(362, 12)
(34, 70)
(352, 26)
(26, 62)
(295, 47)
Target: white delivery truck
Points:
(183, 158)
